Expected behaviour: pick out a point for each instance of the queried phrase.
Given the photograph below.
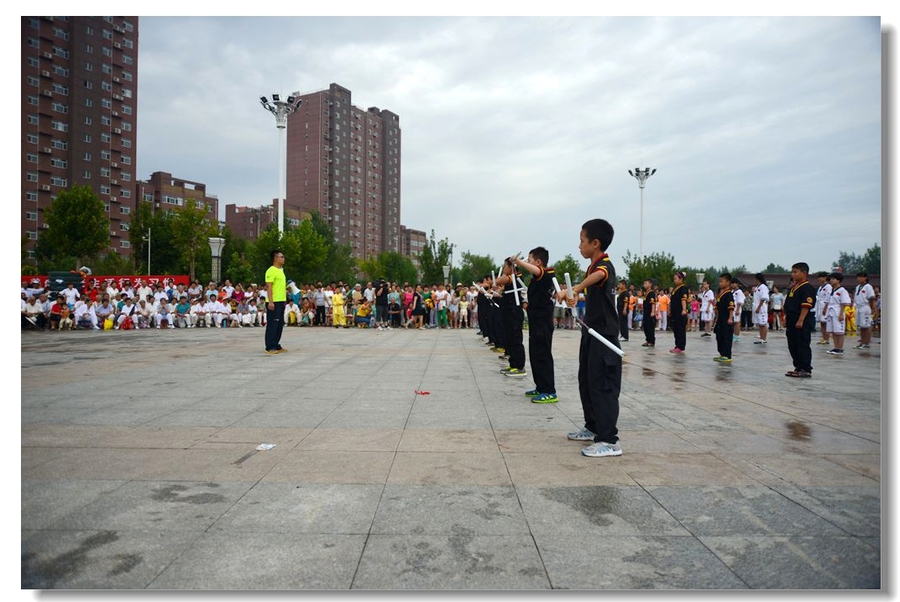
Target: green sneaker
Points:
(514, 372)
(545, 398)
(532, 393)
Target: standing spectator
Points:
(747, 308)
(650, 312)
(453, 308)
(679, 305)
(580, 304)
(338, 317)
(777, 299)
(799, 321)
(381, 305)
(183, 313)
(864, 298)
(822, 296)
(464, 311)
(276, 295)
(143, 290)
(319, 299)
(694, 324)
(638, 315)
(662, 309)
(71, 294)
(724, 327)
(738, 297)
(707, 308)
(761, 308)
(837, 303)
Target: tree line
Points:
(78, 234)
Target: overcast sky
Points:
(766, 132)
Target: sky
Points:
(766, 132)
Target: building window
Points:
(86, 174)
(129, 27)
(31, 196)
(31, 176)
(88, 121)
(127, 76)
(105, 120)
(126, 109)
(59, 163)
(32, 235)
(32, 138)
(31, 158)
(126, 159)
(89, 49)
(104, 172)
(126, 143)
(87, 138)
(33, 100)
(106, 68)
(124, 210)
(107, 34)
(126, 58)
(62, 34)
(59, 126)
(34, 43)
(62, 52)
(124, 244)
(106, 103)
(105, 155)
(126, 126)
(33, 119)
(88, 85)
(104, 137)
(34, 62)
(106, 86)
(104, 189)
(128, 42)
(60, 70)
(125, 193)
(58, 181)
(107, 51)
(89, 66)
(59, 107)
(33, 81)
(126, 176)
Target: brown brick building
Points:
(168, 193)
(79, 115)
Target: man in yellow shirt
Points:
(276, 295)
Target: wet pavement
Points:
(140, 467)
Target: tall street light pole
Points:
(642, 175)
(281, 109)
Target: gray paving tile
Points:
(264, 561)
(105, 559)
(46, 501)
(799, 562)
(747, 510)
(461, 561)
(595, 512)
(172, 506)
(444, 510)
(629, 562)
(306, 508)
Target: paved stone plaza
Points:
(140, 468)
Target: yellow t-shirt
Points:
(337, 300)
(363, 311)
(279, 283)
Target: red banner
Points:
(103, 281)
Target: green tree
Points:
(473, 267)
(390, 266)
(191, 229)
(77, 226)
(570, 265)
(775, 269)
(657, 266)
(435, 255)
(113, 264)
(871, 261)
(312, 253)
(339, 263)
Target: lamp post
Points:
(446, 269)
(281, 109)
(700, 277)
(215, 245)
(148, 240)
(642, 175)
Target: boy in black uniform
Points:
(511, 316)
(622, 299)
(599, 368)
(678, 309)
(540, 324)
(799, 321)
(649, 321)
(724, 327)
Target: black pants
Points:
(623, 326)
(381, 314)
(320, 315)
(540, 352)
(799, 345)
(274, 325)
(512, 328)
(724, 337)
(498, 334)
(599, 383)
(679, 329)
(649, 330)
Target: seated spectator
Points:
(142, 314)
(164, 313)
(105, 311)
(33, 315)
(199, 313)
(125, 317)
(291, 313)
(183, 313)
(57, 322)
(363, 314)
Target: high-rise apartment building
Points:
(79, 116)
(344, 162)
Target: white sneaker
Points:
(601, 450)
